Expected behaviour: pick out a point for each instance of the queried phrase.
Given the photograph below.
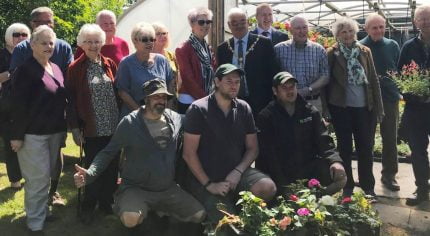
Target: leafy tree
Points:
(70, 15)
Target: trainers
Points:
(371, 196)
(56, 200)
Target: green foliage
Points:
(304, 212)
(413, 80)
(70, 15)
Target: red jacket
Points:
(190, 70)
(80, 112)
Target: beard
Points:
(159, 108)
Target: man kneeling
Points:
(149, 137)
(294, 142)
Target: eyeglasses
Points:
(146, 40)
(92, 42)
(17, 35)
(43, 22)
(202, 22)
(162, 33)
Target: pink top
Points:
(115, 51)
(53, 83)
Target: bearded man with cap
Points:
(220, 143)
(294, 142)
(149, 137)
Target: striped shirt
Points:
(306, 64)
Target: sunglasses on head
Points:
(146, 40)
(202, 22)
(16, 35)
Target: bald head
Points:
(375, 26)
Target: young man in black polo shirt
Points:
(220, 143)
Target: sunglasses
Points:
(146, 40)
(17, 35)
(202, 22)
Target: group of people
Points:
(261, 98)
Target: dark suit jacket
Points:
(260, 67)
(277, 36)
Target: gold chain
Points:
(247, 51)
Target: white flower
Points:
(327, 201)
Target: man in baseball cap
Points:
(149, 137)
(294, 142)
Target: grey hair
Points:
(340, 23)
(90, 29)
(298, 17)
(40, 10)
(40, 30)
(236, 11)
(199, 11)
(141, 29)
(421, 9)
(261, 7)
(373, 16)
(105, 13)
(12, 29)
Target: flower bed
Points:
(304, 211)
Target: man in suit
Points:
(255, 55)
(264, 25)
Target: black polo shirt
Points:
(222, 138)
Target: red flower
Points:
(287, 25)
(313, 183)
(346, 200)
(293, 198)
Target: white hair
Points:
(340, 23)
(371, 17)
(142, 29)
(236, 11)
(296, 18)
(421, 9)
(90, 29)
(105, 13)
(39, 31)
(15, 27)
(198, 11)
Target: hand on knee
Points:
(197, 217)
(264, 188)
(131, 219)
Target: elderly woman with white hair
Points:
(94, 114)
(15, 33)
(139, 67)
(354, 102)
(38, 122)
(115, 47)
(196, 60)
(161, 43)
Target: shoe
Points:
(419, 198)
(16, 185)
(56, 200)
(391, 184)
(36, 232)
(371, 196)
(106, 209)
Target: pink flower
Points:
(284, 223)
(346, 200)
(293, 198)
(303, 211)
(313, 183)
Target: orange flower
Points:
(273, 222)
(284, 223)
